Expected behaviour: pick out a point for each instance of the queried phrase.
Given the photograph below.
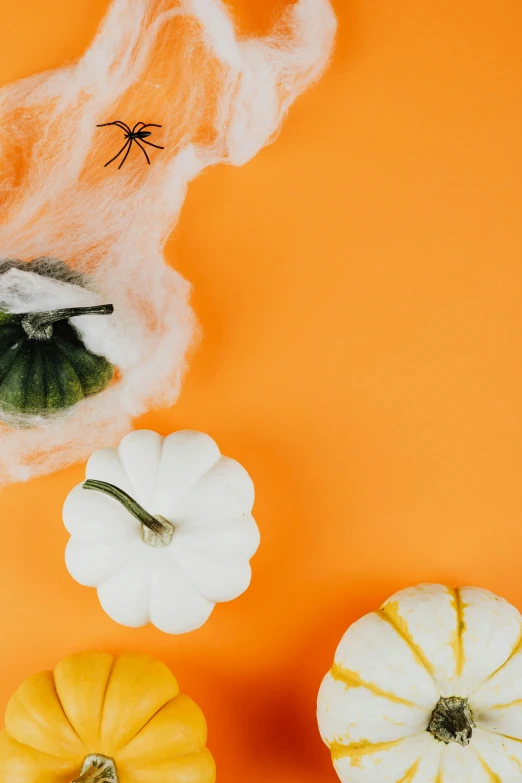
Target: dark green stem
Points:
(39, 326)
(134, 508)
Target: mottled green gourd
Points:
(45, 366)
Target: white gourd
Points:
(185, 543)
(427, 689)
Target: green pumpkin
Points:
(44, 365)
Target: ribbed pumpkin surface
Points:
(44, 376)
(128, 708)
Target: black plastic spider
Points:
(135, 136)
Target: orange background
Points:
(359, 288)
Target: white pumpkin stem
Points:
(39, 326)
(98, 769)
(160, 529)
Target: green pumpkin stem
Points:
(39, 326)
(98, 769)
(160, 528)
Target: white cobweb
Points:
(219, 98)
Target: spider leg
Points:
(135, 127)
(118, 124)
(123, 126)
(126, 154)
(143, 150)
(150, 125)
(144, 141)
(128, 142)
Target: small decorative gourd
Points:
(45, 366)
(163, 529)
(103, 719)
(427, 689)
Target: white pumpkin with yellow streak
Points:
(428, 689)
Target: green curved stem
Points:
(134, 508)
(39, 326)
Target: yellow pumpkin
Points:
(104, 719)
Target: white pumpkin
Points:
(162, 528)
(428, 689)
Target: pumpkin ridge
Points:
(29, 374)
(458, 642)
(101, 710)
(38, 717)
(109, 678)
(58, 345)
(439, 778)
(516, 648)
(132, 554)
(53, 361)
(356, 750)
(146, 722)
(199, 755)
(514, 703)
(353, 680)
(212, 558)
(198, 549)
(121, 565)
(51, 372)
(23, 366)
(23, 349)
(66, 349)
(493, 777)
(63, 710)
(202, 751)
(167, 758)
(499, 734)
(410, 773)
(189, 487)
(393, 618)
(16, 352)
(156, 479)
(33, 749)
(35, 393)
(159, 760)
(64, 360)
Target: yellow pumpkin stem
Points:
(92, 776)
(97, 769)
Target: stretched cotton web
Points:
(99, 232)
